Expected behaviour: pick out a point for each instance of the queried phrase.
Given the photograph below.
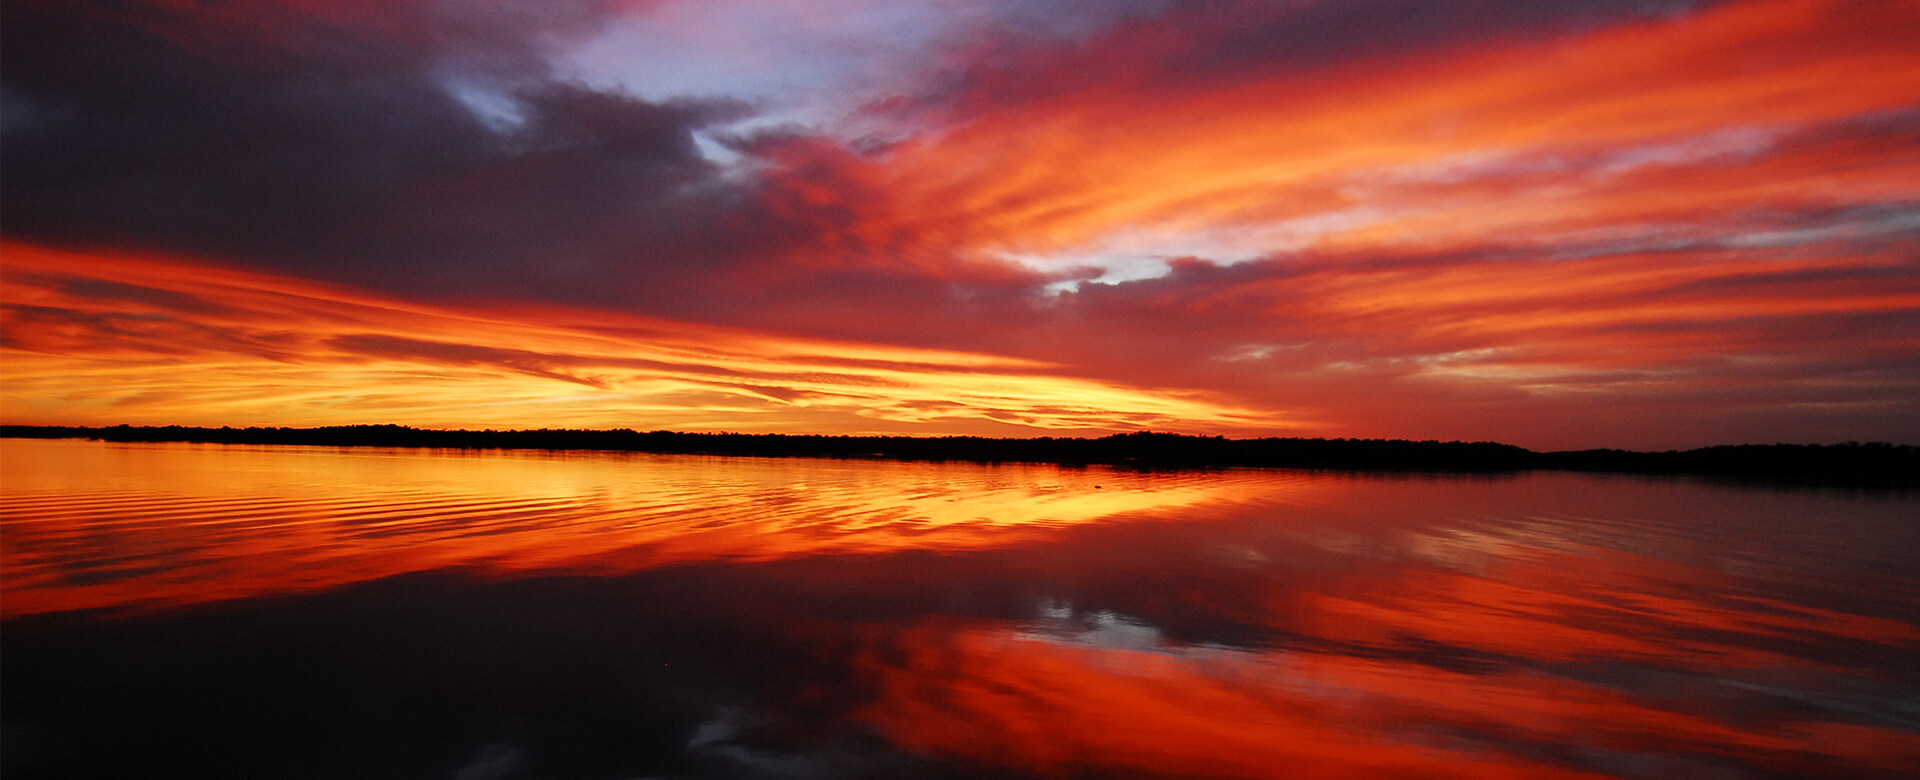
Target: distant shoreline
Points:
(1872, 465)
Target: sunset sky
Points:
(1562, 224)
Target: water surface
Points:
(185, 610)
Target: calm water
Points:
(261, 612)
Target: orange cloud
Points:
(1469, 635)
(1267, 157)
(106, 339)
(1709, 211)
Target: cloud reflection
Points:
(593, 615)
(245, 522)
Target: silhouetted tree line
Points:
(1869, 464)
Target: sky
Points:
(1558, 224)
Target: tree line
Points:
(1870, 464)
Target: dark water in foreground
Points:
(257, 612)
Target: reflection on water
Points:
(97, 525)
(206, 611)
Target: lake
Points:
(206, 611)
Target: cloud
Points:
(397, 347)
(338, 142)
(181, 343)
(1217, 45)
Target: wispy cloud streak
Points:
(104, 339)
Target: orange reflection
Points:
(1614, 643)
(1059, 706)
(91, 525)
(1388, 685)
(1228, 624)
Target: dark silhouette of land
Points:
(1864, 465)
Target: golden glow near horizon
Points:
(99, 340)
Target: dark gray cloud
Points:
(344, 143)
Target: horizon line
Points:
(1851, 464)
(938, 436)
